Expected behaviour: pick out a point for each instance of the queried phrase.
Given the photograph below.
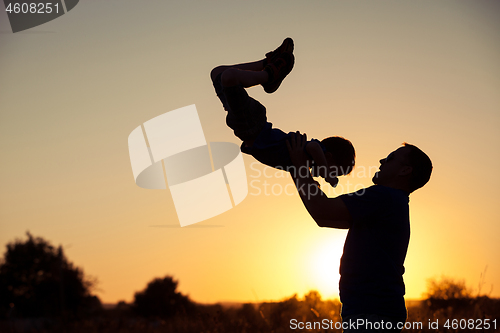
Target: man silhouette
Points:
(371, 269)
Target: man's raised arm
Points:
(327, 212)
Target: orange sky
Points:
(376, 72)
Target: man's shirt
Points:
(371, 267)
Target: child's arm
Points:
(314, 149)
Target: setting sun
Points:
(323, 270)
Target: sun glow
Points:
(324, 263)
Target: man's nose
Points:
(382, 161)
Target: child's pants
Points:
(245, 115)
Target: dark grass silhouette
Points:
(255, 318)
(160, 307)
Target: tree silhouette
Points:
(161, 299)
(36, 279)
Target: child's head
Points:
(342, 154)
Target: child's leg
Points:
(249, 74)
(246, 116)
(234, 77)
(249, 66)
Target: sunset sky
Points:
(379, 73)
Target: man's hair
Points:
(342, 152)
(421, 165)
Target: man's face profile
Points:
(391, 166)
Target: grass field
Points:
(289, 315)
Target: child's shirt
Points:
(270, 148)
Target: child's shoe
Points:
(277, 71)
(286, 46)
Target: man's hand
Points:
(295, 147)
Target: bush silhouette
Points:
(161, 299)
(447, 288)
(449, 299)
(37, 280)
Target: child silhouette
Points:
(328, 158)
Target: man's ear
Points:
(405, 170)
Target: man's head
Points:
(340, 154)
(407, 168)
